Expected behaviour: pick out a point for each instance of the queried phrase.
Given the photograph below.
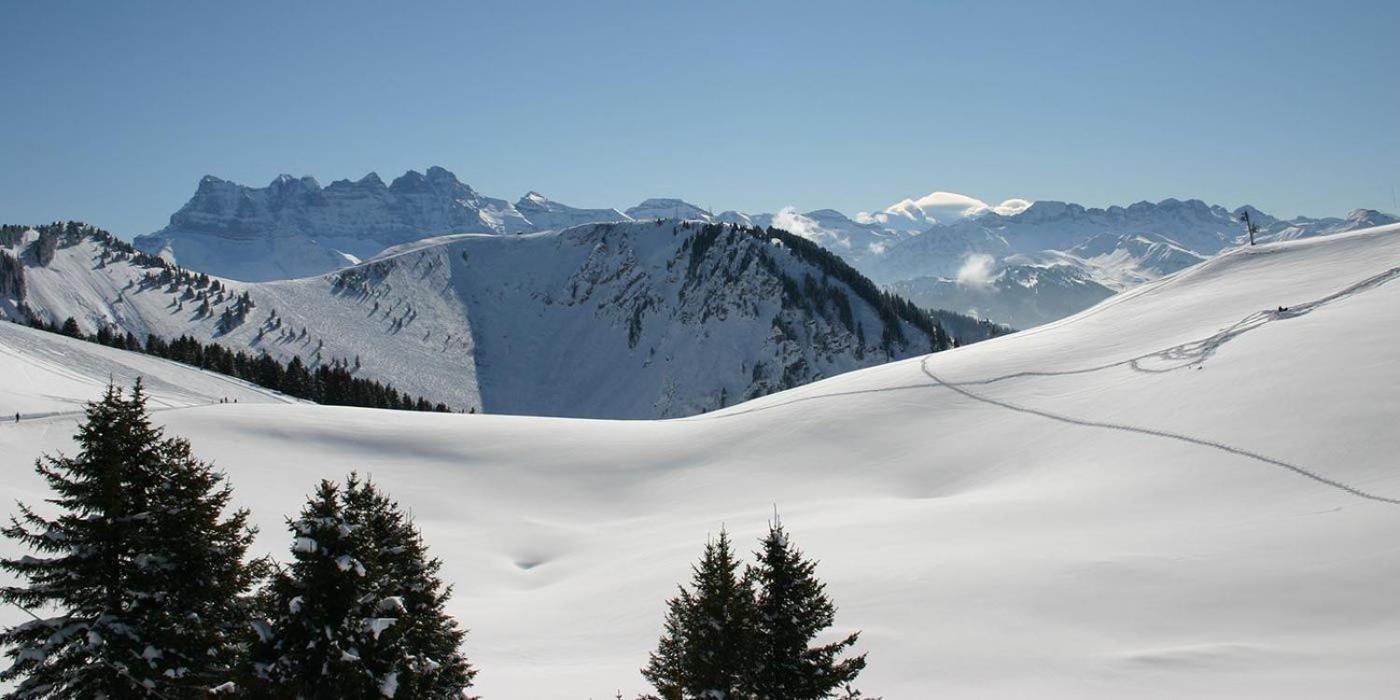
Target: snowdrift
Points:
(1188, 490)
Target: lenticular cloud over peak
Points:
(937, 208)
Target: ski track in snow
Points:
(1185, 354)
(1302, 471)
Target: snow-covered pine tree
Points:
(423, 645)
(311, 640)
(793, 609)
(145, 578)
(706, 650)
(197, 568)
(359, 612)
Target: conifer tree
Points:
(793, 609)
(707, 647)
(144, 579)
(360, 611)
(315, 627)
(423, 644)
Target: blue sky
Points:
(114, 110)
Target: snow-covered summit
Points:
(668, 208)
(914, 215)
(544, 213)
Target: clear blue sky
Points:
(113, 110)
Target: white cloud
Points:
(936, 207)
(949, 206)
(977, 270)
(789, 220)
(1012, 206)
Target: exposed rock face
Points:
(294, 227)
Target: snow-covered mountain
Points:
(544, 213)
(295, 228)
(1183, 492)
(1044, 225)
(1054, 258)
(669, 208)
(1302, 227)
(673, 318)
(1021, 296)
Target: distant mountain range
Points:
(639, 319)
(1019, 262)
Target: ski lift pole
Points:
(1249, 226)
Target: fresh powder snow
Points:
(1188, 490)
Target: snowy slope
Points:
(47, 374)
(675, 318)
(1181, 492)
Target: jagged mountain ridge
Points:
(625, 320)
(294, 228)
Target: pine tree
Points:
(707, 647)
(314, 627)
(793, 609)
(359, 612)
(423, 644)
(146, 578)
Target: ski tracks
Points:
(1153, 432)
(1176, 357)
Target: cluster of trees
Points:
(11, 277)
(891, 308)
(821, 296)
(333, 384)
(143, 588)
(750, 635)
(146, 589)
(66, 233)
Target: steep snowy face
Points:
(625, 320)
(294, 227)
(544, 213)
(647, 319)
